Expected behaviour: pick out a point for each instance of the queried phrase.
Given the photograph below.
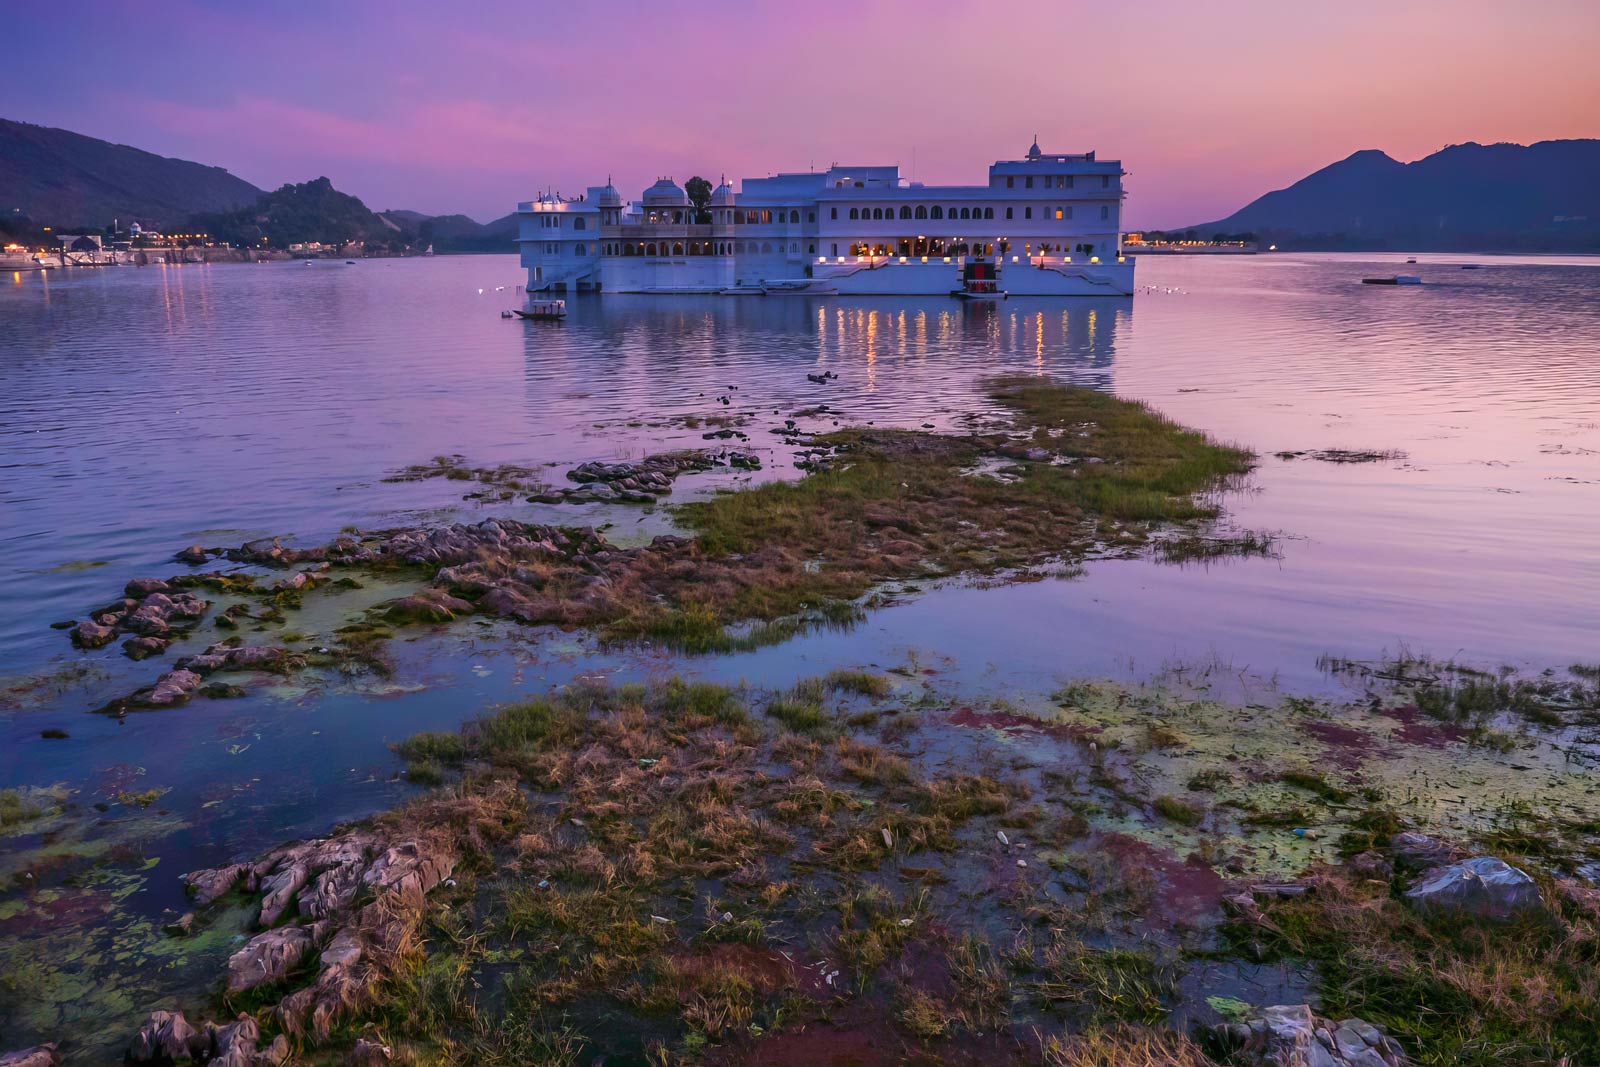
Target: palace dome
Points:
(609, 197)
(665, 193)
(723, 194)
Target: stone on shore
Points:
(1483, 887)
(194, 555)
(167, 1037)
(268, 958)
(212, 883)
(1291, 1035)
(44, 1055)
(431, 605)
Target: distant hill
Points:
(458, 233)
(310, 211)
(66, 180)
(1539, 197)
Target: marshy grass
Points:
(1455, 991)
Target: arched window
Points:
(794, 247)
(905, 211)
(579, 224)
(811, 250)
(650, 249)
(677, 248)
(922, 211)
(988, 212)
(877, 212)
(677, 216)
(766, 246)
(854, 213)
(937, 212)
(580, 249)
(794, 216)
(965, 213)
(811, 216)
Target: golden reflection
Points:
(1038, 341)
(1092, 318)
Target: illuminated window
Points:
(1059, 214)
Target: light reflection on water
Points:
(142, 409)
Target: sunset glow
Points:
(442, 110)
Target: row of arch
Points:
(923, 212)
(704, 248)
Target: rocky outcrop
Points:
(150, 609)
(641, 482)
(240, 658)
(431, 605)
(336, 914)
(168, 1037)
(1291, 1035)
(268, 958)
(39, 1056)
(1483, 887)
(173, 688)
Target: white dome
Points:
(665, 193)
(723, 194)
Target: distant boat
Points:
(428, 251)
(1471, 266)
(980, 281)
(1413, 259)
(1398, 279)
(544, 310)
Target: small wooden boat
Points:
(544, 310)
(980, 282)
(1398, 279)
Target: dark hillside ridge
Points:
(66, 180)
(1499, 197)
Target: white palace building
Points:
(1049, 224)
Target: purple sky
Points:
(430, 107)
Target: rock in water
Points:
(1484, 886)
(91, 634)
(1291, 1035)
(141, 647)
(44, 1055)
(193, 555)
(174, 687)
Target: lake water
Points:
(142, 410)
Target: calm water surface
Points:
(142, 410)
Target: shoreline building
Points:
(1050, 224)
